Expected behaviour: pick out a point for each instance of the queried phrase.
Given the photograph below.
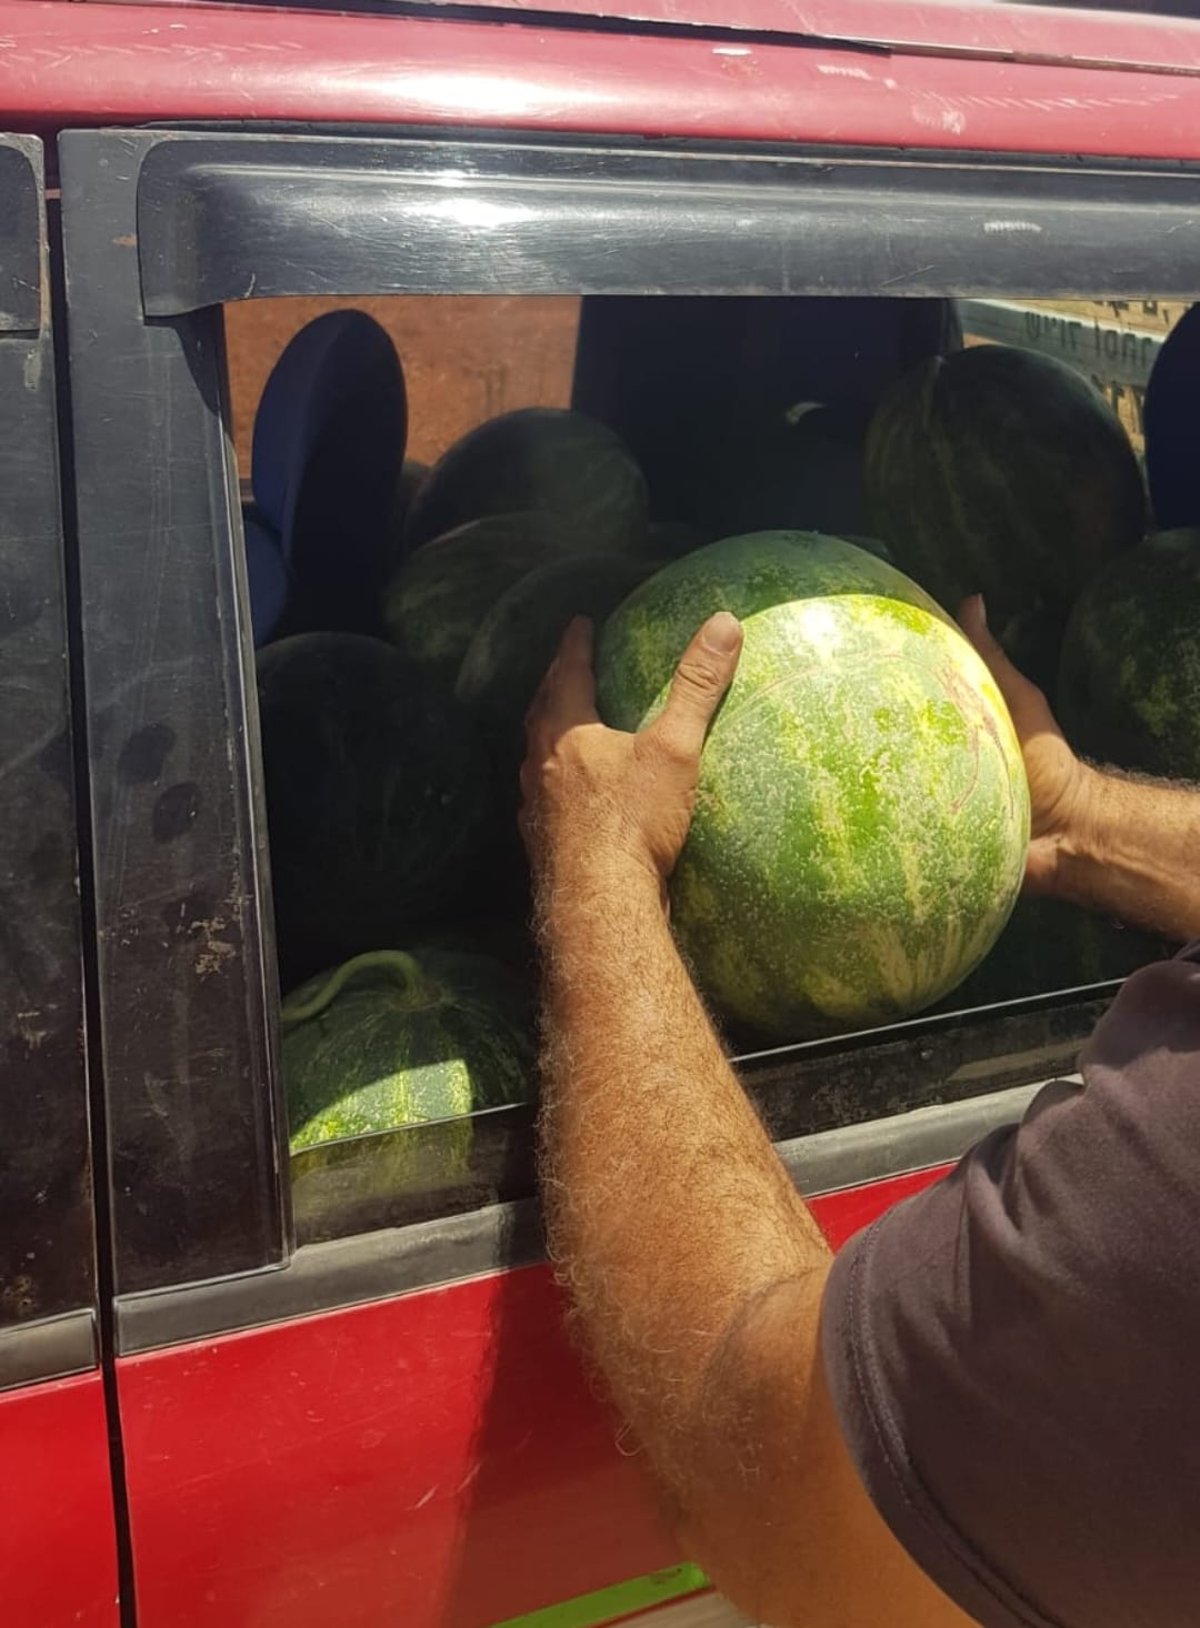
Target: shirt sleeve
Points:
(1014, 1354)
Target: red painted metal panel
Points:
(58, 1559)
(65, 64)
(436, 1460)
(1032, 33)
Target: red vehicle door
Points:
(58, 1555)
(345, 1394)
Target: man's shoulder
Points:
(1012, 1352)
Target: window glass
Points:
(431, 485)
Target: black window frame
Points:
(162, 227)
(48, 1279)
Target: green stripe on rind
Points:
(611, 1605)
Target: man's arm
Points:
(694, 1267)
(1120, 845)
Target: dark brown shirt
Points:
(1015, 1353)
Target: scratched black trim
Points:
(185, 963)
(21, 235)
(47, 1225)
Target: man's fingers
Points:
(1026, 703)
(701, 680)
(568, 692)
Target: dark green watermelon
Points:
(1050, 945)
(379, 798)
(434, 604)
(395, 1038)
(516, 642)
(544, 459)
(1033, 641)
(863, 816)
(1129, 684)
(1001, 471)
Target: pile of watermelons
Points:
(863, 814)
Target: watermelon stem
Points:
(404, 969)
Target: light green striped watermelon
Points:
(397, 1038)
(863, 814)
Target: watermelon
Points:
(395, 1038)
(1129, 684)
(435, 602)
(378, 797)
(862, 816)
(516, 642)
(1048, 945)
(1033, 640)
(555, 462)
(1001, 471)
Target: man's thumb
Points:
(701, 680)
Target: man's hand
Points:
(1061, 787)
(598, 796)
(1113, 843)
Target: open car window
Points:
(387, 391)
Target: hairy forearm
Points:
(1136, 854)
(669, 1212)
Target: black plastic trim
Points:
(186, 963)
(22, 283)
(50, 1349)
(225, 218)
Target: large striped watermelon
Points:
(1129, 682)
(862, 818)
(1003, 471)
(396, 1038)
